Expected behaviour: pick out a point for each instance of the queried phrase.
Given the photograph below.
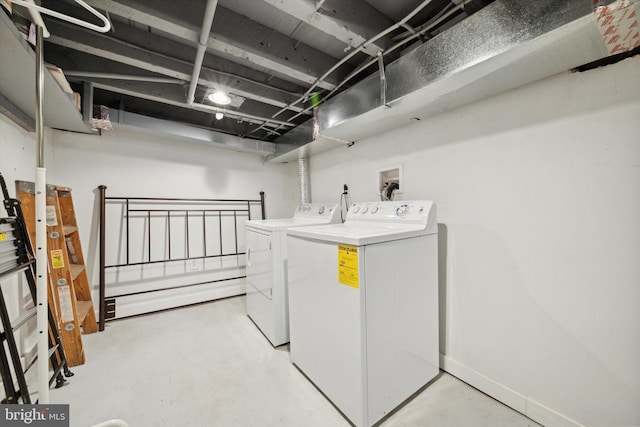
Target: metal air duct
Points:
(505, 45)
(303, 180)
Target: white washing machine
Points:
(363, 306)
(267, 300)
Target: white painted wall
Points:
(139, 165)
(538, 194)
(134, 164)
(18, 162)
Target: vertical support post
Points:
(42, 309)
(262, 205)
(101, 315)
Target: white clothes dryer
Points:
(363, 306)
(266, 255)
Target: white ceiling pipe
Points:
(116, 76)
(209, 13)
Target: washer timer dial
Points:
(402, 210)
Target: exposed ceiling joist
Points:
(144, 59)
(175, 98)
(353, 22)
(161, 95)
(276, 58)
(237, 38)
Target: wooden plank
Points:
(76, 270)
(77, 267)
(69, 229)
(61, 286)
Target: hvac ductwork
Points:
(303, 180)
(505, 45)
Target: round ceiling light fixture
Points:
(220, 98)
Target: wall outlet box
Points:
(390, 175)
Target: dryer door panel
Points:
(259, 263)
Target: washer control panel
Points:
(315, 210)
(402, 211)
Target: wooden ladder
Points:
(67, 274)
(16, 256)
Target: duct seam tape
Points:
(618, 24)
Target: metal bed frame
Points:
(171, 207)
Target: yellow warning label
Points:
(57, 261)
(3, 236)
(348, 265)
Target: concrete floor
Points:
(208, 365)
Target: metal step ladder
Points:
(17, 256)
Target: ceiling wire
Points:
(353, 53)
(445, 13)
(424, 29)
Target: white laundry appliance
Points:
(267, 300)
(363, 306)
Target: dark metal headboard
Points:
(167, 209)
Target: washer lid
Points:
(284, 223)
(305, 214)
(358, 234)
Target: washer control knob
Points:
(374, 209)
(402, 210)
(355, 209)
(321, 210)
(365, 209)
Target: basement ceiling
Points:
(269, 55)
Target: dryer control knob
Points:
(355, 209)
(365, 209)
(374, 209)
(321, 210)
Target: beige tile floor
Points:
(208, 365)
